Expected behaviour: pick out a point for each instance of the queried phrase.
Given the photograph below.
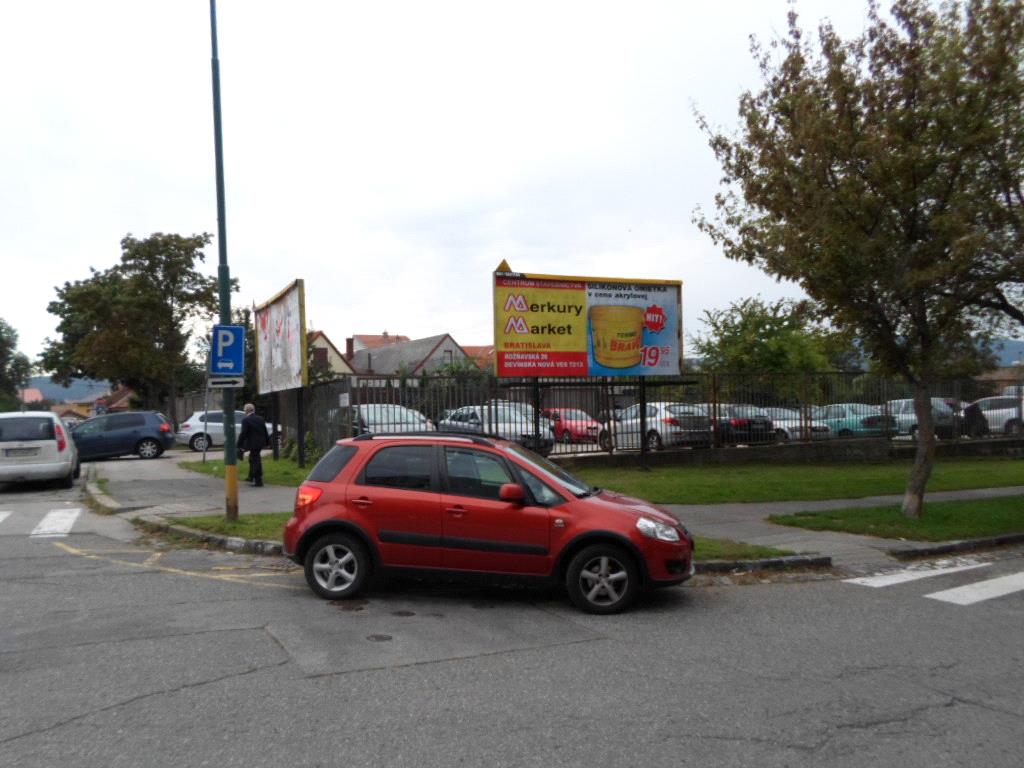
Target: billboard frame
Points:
(299, 285)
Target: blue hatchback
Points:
(146, 434)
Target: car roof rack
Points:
(473, 438)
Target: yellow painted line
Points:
(231, 579)
(153, 558)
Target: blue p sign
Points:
(227, 355)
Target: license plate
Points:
(20, 451)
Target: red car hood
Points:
(630, 505)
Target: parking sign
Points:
(227, 351)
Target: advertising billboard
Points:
(548, 325)
(281, 341)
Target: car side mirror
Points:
(512, 492)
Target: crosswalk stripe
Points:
(911, 574)
(56, 523)
(982, 590)
(3, 516)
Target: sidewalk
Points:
(746, 523)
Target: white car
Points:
(387, 418)
(36, 445)
(1002, 414)
(790, 426)
(205, 429)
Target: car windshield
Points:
(390, 414)
(570, 413)
(551, 472)
(861, 409)
(26, 428)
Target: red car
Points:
(572, 425)
(476, 505)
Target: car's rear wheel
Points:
(77, 473)
(199, 443)
(653, 441)
(1013, 427)
(337, 566)
(566, 436)
(602, 579)
(69, 481)
(604, 440)
(148, 448)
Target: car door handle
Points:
(363, 502)
(456, 511)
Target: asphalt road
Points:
(117, 652)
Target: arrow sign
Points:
(226, 382)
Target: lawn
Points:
(942, 520)
(270, 528)
(279, 472)
(796, 482)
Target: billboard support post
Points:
(224, 280)
(300, 417)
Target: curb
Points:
(962, 545)
(109, 505)
(153, 523)
(764, 564)
(156, 524)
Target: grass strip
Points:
(797, 482)
(279, 472)
(270, 527)
(942, 520)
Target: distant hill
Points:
(1009, 351)
(77, 390)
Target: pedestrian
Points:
(254, 437)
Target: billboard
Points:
(281, 341)
(547, 325)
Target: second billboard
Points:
(546, 325)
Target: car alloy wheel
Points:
(336, 566)
(148, 449)
(199, 443)
(653, 441)
(602, 579)
(566, 437)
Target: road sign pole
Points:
(224, 280)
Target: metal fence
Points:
(566, 416)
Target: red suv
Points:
(476, 505)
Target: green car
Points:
(855, 420)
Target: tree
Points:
(14, 368)
(130, 323)
(755, 336)
(878, 174)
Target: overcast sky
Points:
(390, 153)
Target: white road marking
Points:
(57, 523)
(4, 516)
(913, 574)
(982, 590)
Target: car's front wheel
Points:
(337, 566)
(603, 579)
(148, 449)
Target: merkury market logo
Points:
(516, 302)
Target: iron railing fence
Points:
(596, 415)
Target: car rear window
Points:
(26, 428)
(332, 463)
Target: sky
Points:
(391, 154)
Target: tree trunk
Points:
(924, 457)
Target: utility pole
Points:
(224, 281)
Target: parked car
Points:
(667, 425)
(790, 425)
(571, 425)
(506, 420)
(381, 418)
(943, 416)
(741, 424)
(36, 445)
(999, 415)
(146, 434)
(472, 505)
(855, 420)
(205, 429)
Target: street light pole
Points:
(224, 282)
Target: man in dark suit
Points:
(254, 438)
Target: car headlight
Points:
(657, 530)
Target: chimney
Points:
(385, 337)
(349, 348)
